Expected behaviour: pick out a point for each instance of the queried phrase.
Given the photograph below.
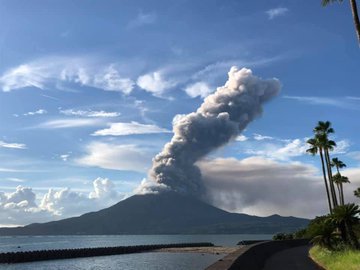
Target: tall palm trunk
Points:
(342, 194)
(332, 187)
(355, 18)
(325, 180)
(339, 192)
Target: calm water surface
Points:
(149, 260)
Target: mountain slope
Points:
(166, 213)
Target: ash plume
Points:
(219, 119)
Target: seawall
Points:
(42, 255)
(253, 257)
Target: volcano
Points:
(164, 213)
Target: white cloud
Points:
(39, 111)
(70, 123)
(48, 72)
(12, 145)
(342, 147)
(65, 202)
(260, 186)
(154, 83)
(276, 12)
(142, 19)
(199, 89)
(286, 149)
(22, 207)
(64, 157)
(121, 129)
(22, 76)
(241, 138)
(103, 188)
(259, 137)
(89, 113)
(111, 80)
(116, 157)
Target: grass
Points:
(336, 260)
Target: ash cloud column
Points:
(219, 119)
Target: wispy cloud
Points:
(121, 129)
(16, 180)
(49, 71)
(278, 151)
(39, 111)
(219, 68)
(70, 123)
(341, 102)
(284, 149)
(353, 98)
(276, 12)
(116, 157)
(12, 145)
(142, 19)
(89, 113)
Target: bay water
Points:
(136, 261)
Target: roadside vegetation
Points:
(336, 235)
(336, 260)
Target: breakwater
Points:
(56, 254)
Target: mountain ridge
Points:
(164, 213)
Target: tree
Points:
(323, 233)
(340, 180)
(335, 162)
(315, 148)
(354, 12)
(322, 131)
(357, 192)
(345, 217)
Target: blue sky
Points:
(88, 91)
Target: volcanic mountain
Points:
(164, 213)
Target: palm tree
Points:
(315, 148)
(326, 238)
(335, 162)
(354, 13)
(322, 130)
(339, 180)
(345, 216)
(357, 192)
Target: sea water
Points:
(136, 261)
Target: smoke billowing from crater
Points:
(219, 119)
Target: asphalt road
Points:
(291, 259)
